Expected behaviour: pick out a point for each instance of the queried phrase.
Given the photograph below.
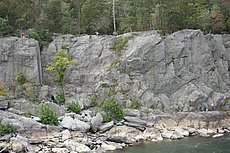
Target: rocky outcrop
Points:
(185, 71)
(19, 55)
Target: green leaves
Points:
(113, 110)
(48, 116)
(61, 61)
(6, 128)
(5, 27)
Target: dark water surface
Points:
(186, 145)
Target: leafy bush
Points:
(93, 102)
(113, 110)
(21, 78)
(74, 107)
(6, 128)
(5, 27)
(135, 104)
(48, 116)
(2, 90)
(60, 98)
(32, 33)
(120, 43)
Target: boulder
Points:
(152, 134)
(106, 126)
(80, 126)
(76, 146)
(96, 122)
(135, 120)
(68, 122)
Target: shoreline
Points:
(117, 135)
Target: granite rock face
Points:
(185, 71)
(19, 55)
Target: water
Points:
(186, 145)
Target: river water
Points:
(186, 145)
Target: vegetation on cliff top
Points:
(75, 16)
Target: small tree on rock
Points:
(60, 63)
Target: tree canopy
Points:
(88, 16)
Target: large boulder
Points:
(96, 122)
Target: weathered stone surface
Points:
(67, 122)
(185, 71)
(106, 126)
(75, 124)
(3, 103)
(135, 120)
(152, 134)
(76, 146)
(96, 122)
(18, 56)
(21, 123)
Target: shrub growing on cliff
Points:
(113, 110)
(6, 128)
(135, 104)
(2, 90)
(60, 98)
(118, 45)
(74, 107)
(60, 63)
(21, 78)
(93, 102)
(48, 116)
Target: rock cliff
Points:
(184, 71)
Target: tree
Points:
(95, 16)
(5, 27)
(59, 64)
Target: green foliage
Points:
(119, 44)
(48, 116)
(60, 98)
(5, 27)
(32, 33)
(21, 78)
(2, 90)
(6, 128)
(21, 23)
(113, 109)
(135, 104)
(74, 107)
(93, 102)
(60, 63)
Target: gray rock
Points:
(19, 56)
(96, 122)
(177, 135)
(3, 103)
(135, 120)
(106, 126)
(169, 74)
(80, 126)
(132, 113)
(68, 122)
(152, 134)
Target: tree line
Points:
(88, 16)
